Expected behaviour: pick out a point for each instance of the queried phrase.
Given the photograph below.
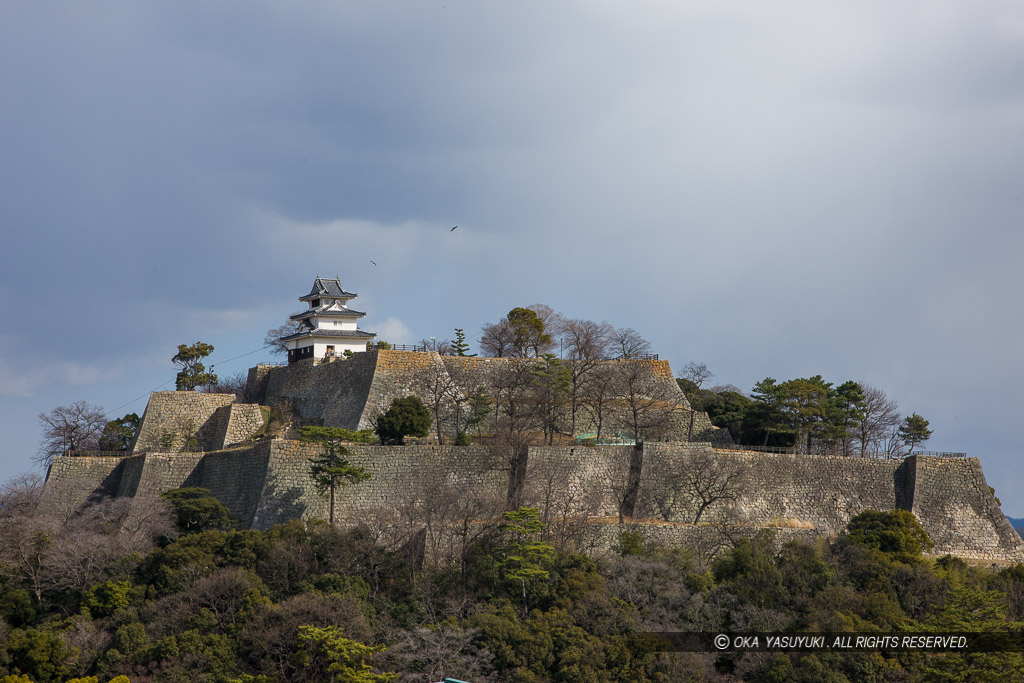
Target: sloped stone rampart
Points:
(958, 509)
(579, 480)
(352, 392)
(72, 481)
(180, 414)
(269, 483)
(402, 476)
(163, 471)
(131, 475)
(823, 491)
(334, 393)
(404, 373)
(243, 420)
(256, 383)
(235, 478)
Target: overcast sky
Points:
(776, 189)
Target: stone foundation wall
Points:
(352, 392)
(822, 491)
(958, 509)
(256, 383)
(243, 420)
(334, 393)
(426, 489)
(172, 417)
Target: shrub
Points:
(893, 531)
(406, 417)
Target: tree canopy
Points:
(78, 426)
(330, 469)
(193, 373)
(198, 510)
(406, 417)
(119, 434)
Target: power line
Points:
(237, 357)
(114, 410)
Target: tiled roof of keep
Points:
(333, 310)
(343, 334)
(327, 288)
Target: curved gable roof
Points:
(323, 287)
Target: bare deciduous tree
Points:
(627, 343)
(622, 487)
(78, 426)
(675, 486)
(598, 395)
(552, 320)
(497, 339)
(442, 346)
(646, 404)
(273, 339)
(434, 652)
(20, 494)
(585, 344)
(555, 489)
(44, 546)
(879, 421)
(511, 387)
(698, 373)
(235, 384)
(441, 393)
(585, 339)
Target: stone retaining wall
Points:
(425, 489)
(351, 392)
(958, 509)
(243, 420)
(172, 417)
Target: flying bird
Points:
(373, 262)
(453, 228)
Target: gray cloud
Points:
(774, 189)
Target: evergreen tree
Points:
(767, 409)
(845, 410)
(522, 557)
(119, 434)
(406, 417)
(479, 408)
(528, 335)
(328, 656)
(891, 531)
(330, 469)
(914, 431)
(193, 373)
(551, 383)
(198, 510)
(460, 347)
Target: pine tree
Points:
(193, 373)
(330, 469)
(914, 431)
(460, 347)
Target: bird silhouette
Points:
(373, 262)
(453, 228)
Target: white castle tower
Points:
(327, 329)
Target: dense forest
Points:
(168, 590)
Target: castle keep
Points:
(587, 494)
(328, 328)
